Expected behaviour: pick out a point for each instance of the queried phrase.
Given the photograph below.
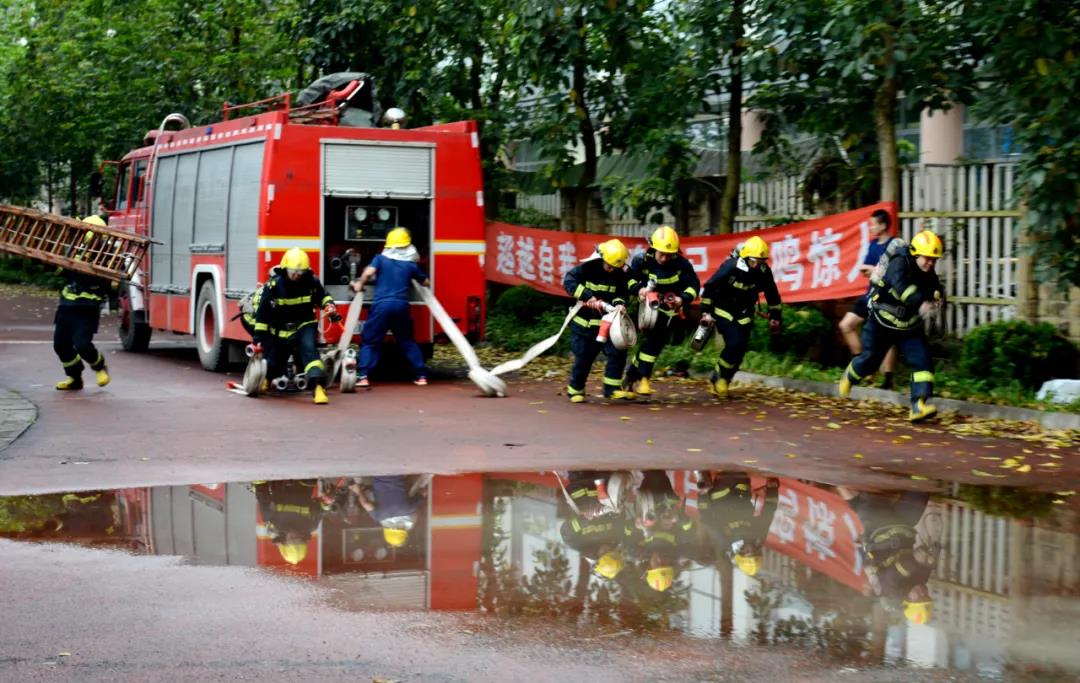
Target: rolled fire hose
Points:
(346, 337)
(485, 380)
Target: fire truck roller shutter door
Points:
(366, 170)
(161, 220)
(211, 197)
(183, 223)
(242, 255)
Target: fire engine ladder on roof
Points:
(71, 244)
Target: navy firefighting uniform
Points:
(889, 538)
(894, 321)
(583, 282)
(676, 276)
(730, 296)
(726, 511)
(288, 507)
(287, 321)
(390, 311)
(76, 321)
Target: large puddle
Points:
(928, 574)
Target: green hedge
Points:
(521, 316)
(19, 270)
(998, 354)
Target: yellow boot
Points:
(320, 395)
(622, 395)
(844, 388)
(70, 384)
(577, 398)
(103, 376)
(642, 387)
(922, 410)
(719, 387)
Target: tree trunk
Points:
(727, 598)
(885, 123)
(588, 134)
(729, 204)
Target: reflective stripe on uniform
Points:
(579, 291)
(908, 292)
(315, 364)
(72, 361)
(851, 371)
(292, 301)
(691, 291)
(646, 357)
(285, 334)
(586, 322)
(261, 327)
(724, 364)
(922, 376)
(613, 382)
(746, 286)
(81, 295)
(574, 392)
(327, 300)
(900, 324)
(717, 495)
(667, 280)
(596, 287)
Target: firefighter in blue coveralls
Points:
(729, 299)
(599, 280)
(909, 290)
(599, 534)
(394, 502)
(287, 322)
(677, 286)
(727, 511)
(76, 322)
(394, 269)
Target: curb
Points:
(1048, 420)
(16, 416)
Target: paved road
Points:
(164, 420)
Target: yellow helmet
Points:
(94, 219)
(614, 253)
(293, 553)
(749, 564)
(665, 239)
(398, 237)
(660, 578)
(928, 244)
(919, 612)
(295, 259)
(755, 247)
(395, 537)
(609, 565)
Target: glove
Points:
(774, 326)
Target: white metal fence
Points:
(970, 206)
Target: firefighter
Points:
(394, 502)
(663, 271)
(76, 322)
(908, 291)
(666, 530)
(599, 281)
(291, 513)
(854, 319)
(897, 570)
(600, 534)
(729, 519)
(287, 321)
(395, 269)
(731, 295)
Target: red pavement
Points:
(163, 420)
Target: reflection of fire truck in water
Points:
(223, 202)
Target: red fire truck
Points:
(223, 201)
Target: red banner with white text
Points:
(811, 260)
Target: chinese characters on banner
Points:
(819, 529)
(811, 260)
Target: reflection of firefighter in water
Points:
(666, 529)
(291, 512)
(597, 526)
(393, 502)
(897, 567)
(730, 520)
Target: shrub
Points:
(806, 331)
(1001, 352)
(19, 270)
(523, 316)
(529, 218)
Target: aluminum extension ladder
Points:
(71, 244)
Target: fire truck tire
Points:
(213, 352)
(134, 335)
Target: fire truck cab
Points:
(223, 201)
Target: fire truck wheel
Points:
(348, 380)
(213, 353)
(134, 335)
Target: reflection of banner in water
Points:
(819, 529)
(811, 260)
